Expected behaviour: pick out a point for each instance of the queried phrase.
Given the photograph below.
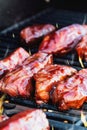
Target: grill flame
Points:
(83, 119)
(1, 104)
(81, 63)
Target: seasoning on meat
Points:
(81, 49)
(34, 33)
(63, 40)
(71, 93)
(47, 78)
(15, 59)
(31, 119)
(19, 81)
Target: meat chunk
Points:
(81, 49)
(19, 81)
(3, 118)
(32, 119)
(15, 59)
(47, 78)
(64, 40)
(73, 92)
(34, 33)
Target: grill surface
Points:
(9, 40)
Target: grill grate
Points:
(9, 40)
(59, 120)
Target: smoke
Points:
(84, 20)
(47, 1)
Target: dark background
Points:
(13, 11)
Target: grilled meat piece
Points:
(15, 59)
(19, 81)
(32, 119)
(3, 118)
(71, 93)
(34, 33)
(81, 48)
(47, 78)
(64, 40)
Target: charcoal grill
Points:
(9, 40)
